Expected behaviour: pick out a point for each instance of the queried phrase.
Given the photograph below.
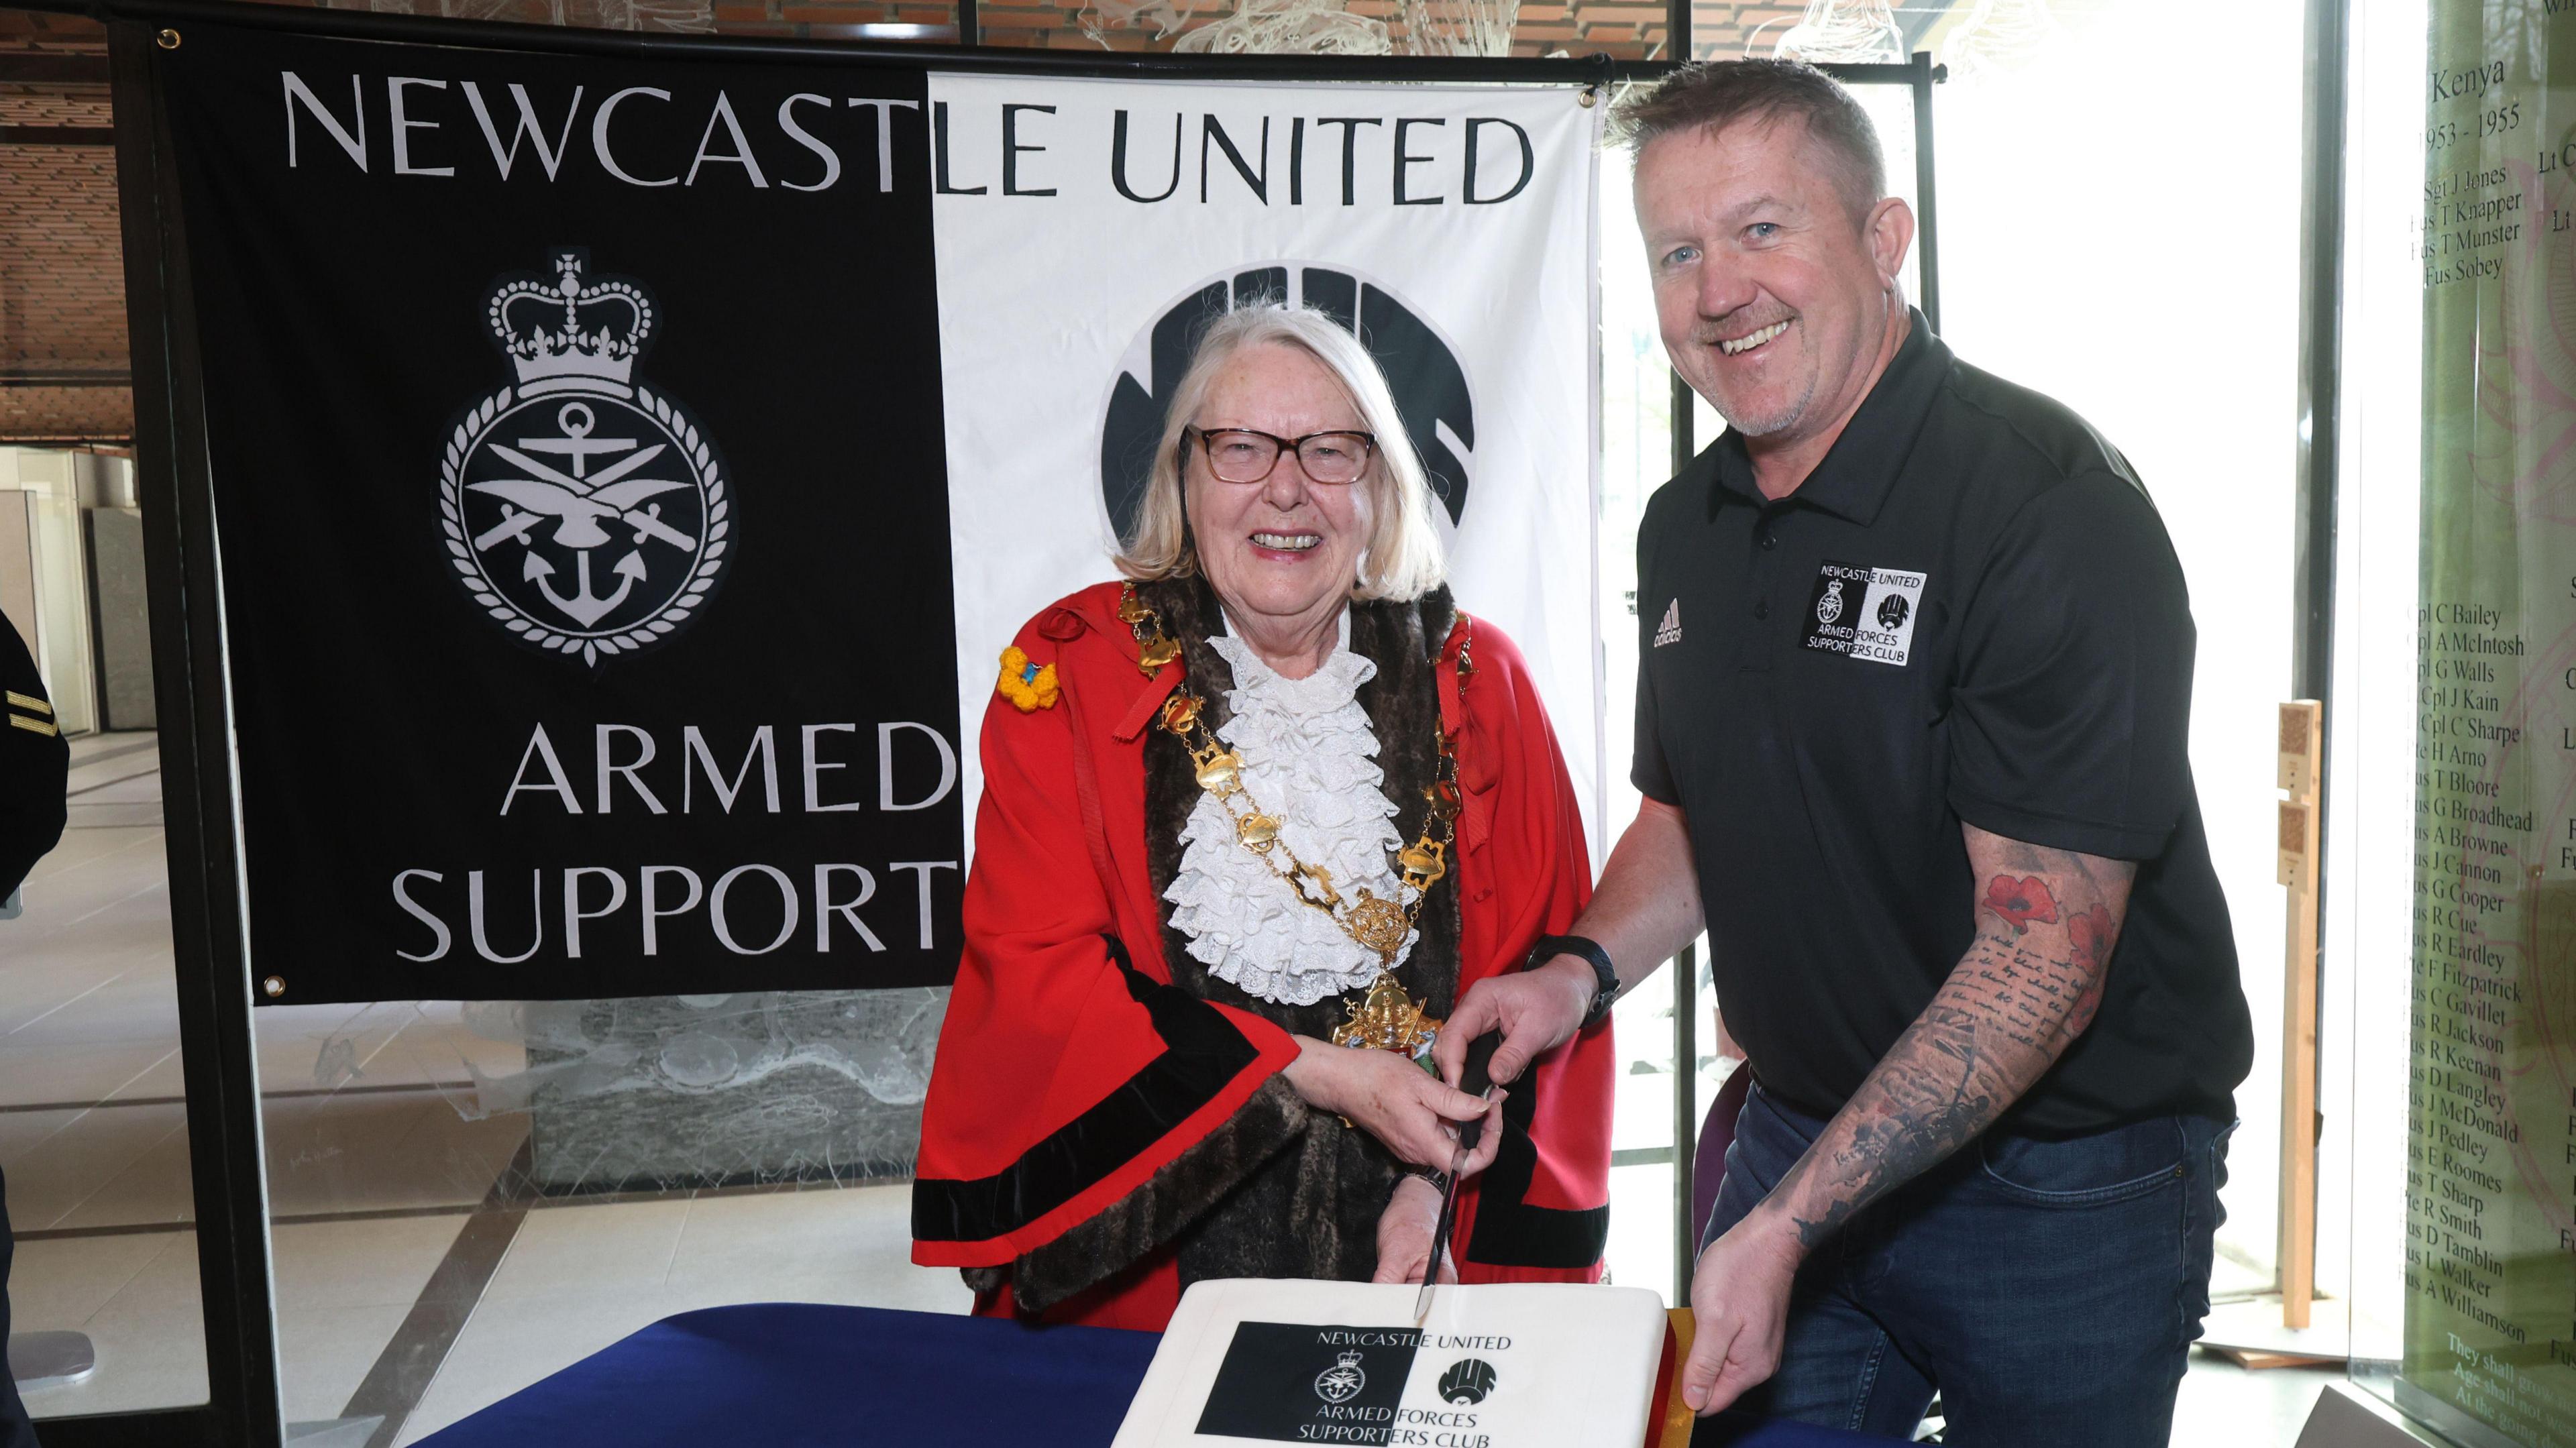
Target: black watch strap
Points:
(1549, 947)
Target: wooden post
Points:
(2299, 754)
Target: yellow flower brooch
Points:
(1030, 686)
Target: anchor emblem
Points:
(579, 504)
(586, 475)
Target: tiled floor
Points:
(364, 1117)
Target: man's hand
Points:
(1740, 1299)
(1536, 1010)
(1395, 1101)
(1404, 1234)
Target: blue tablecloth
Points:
(796, 1375)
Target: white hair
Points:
(1401, 559)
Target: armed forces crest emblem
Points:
(1342, 1381)
(582, 511)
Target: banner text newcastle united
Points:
(654, 136)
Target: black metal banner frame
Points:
(208, 913)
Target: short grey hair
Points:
(1712, 95)
(1401, 559)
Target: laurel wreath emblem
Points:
(460, 444)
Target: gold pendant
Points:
(1158, 651)
(1378, 925)
(1423, 863)
(1257, 832)
(1322, 879)
(1220, 771)
(1386, 1020)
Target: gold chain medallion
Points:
(1387, 1018)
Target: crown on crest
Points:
(563, 332)
(1350, 1357)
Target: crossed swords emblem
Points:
(578, 503)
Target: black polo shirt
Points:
(1969, 611)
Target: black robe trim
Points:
(1203, 1053)
(1280, 1189)
(1509, 1231)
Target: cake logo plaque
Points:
(1342, 1381)
(582, 511)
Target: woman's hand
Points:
(1413, 1113)
(1404, 1234)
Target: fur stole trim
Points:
(1279, 1190)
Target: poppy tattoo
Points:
(2092, 934)
(2021, 901)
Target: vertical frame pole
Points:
(1685, 1120)
(2320, 401)
(1678, 42)
(207, 925)
(1927, 230)
(1685, 969)
(970, 26)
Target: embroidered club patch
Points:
(1864, 613)
(1029, 685)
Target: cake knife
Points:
(1477, 1081)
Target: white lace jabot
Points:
(1309, 757)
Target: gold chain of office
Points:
(1387, 1018)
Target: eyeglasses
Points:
(1240, 455)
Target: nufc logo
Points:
(583, 512)
(1468, 1382)
(1422, 371)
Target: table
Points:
(799, 1375)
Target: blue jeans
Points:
(2048, 1290)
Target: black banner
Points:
(577, 451)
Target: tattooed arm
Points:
(2027, 987)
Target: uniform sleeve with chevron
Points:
(34, 762)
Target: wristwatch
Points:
(1549, 947)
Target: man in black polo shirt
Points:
(1911, 722)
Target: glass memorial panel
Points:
(2463, 1256)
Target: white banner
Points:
(1081, 226)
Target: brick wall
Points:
(62, 293)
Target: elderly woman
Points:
(1252, 820)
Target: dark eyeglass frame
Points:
(1279, 446)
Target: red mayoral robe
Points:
(1067, 1078)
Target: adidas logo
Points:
(1670, 630)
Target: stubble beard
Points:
(1772, 420)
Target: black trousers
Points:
(15, 1430)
